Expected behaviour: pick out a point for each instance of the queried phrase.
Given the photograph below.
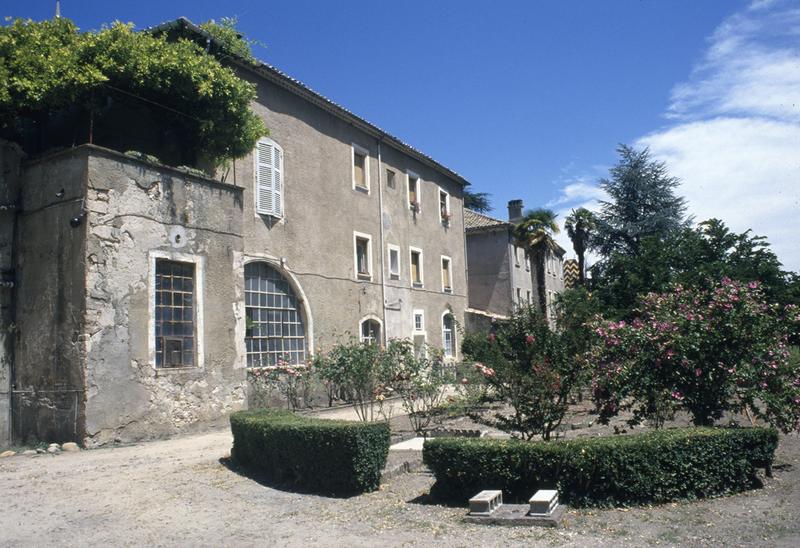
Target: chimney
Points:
(514, 210)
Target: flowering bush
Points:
(528, 366)
(705, 351)
(292, 382)
(417, 378)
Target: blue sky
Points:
(529, 99)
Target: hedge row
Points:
(321, 456)
(659, 466)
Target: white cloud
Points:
(734, 136)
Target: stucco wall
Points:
(136, 212)
(322, 210)
(491, 271)
(10, 156)
(48, 391)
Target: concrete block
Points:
(543, 502)
(485, 502)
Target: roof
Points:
(475, 222)
(287, 82)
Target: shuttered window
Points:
(269, 178)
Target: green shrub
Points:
(656, 467)
(322, 456)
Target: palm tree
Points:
(534, 232)
(581, 225)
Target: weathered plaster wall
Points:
(491, 271)
(10, 156)
(137, 210)
(322, 210)
(48, 391)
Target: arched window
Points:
(274, 329)
(448, 335)
(370, 331)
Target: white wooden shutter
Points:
(269, 179)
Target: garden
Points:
(668, 374)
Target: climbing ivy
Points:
(50, 65)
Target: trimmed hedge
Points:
(659, 466)
(321, 456)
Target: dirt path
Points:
(177, 492)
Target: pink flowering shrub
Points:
(527, 366)
(293, 382)
(705, 351)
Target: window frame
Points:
(355, 148)
(259, 211)
(516, 255)
(199, 262)
(370, 318)
(454, 349)
(421, 283)
(445, 220)
(359, 276)
(447, 289)
(391, 178)
(417, 191)
(395, 275)
(421, 313)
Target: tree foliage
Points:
(642, 204)
(581, 226)
(534, 233)
(477, 201)
(50, 65)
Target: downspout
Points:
(466, 271)
(383, 243)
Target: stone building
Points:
(502, 275)
(142, 293)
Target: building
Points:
(142, 293)
(502, 275)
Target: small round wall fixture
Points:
(178, 237)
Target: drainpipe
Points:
(383, 243)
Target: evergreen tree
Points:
(477, 201)
(642, 204)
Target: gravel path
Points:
(178, 492)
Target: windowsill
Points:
(448, 289)
(394, 276)
(186, 369)
(364, 276)
(360, 188)
(417, 285)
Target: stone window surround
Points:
(421, 313)
(282, 217)
(421, 283)
(279, 263)
(395, 275)
(371, 318)
(356, 274)
(446, 289)
(418, 190)
(199, 262)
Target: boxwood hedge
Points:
(659, 466)
(321, 456)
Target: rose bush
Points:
(706, 351)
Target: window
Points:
(274, 324)
(416, 267)
(360, 168)
(516, 256)
(394, 262)
(529, 297)
(444, 207)
(370, 331)
(363, 255)
(519, 297)
(174, 310)
(447, 284)
(414, 195)
(527, 261)
(269, 178)
(448, 335)
(390, 180)
(419, 321)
